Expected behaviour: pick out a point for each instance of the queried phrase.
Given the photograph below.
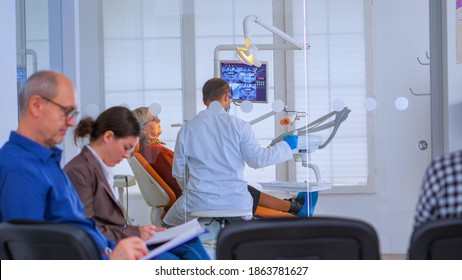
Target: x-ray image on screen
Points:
(246, 82)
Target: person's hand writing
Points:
(130, 248)
(147, 231)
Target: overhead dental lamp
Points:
(247, 53)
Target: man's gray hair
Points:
(43, 83)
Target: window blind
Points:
(336, 70)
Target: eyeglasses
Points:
(69, 112)
(155, 119)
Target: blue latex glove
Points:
(292, 140)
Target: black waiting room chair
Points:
(317, 238)
(437, 240)
(32, 240)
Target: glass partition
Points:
(354, 92)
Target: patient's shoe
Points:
(299, 207)
(304, 210)
(296, 203)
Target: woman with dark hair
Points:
(112, 136)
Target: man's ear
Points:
(35, 105)
(225, 98)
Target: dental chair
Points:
(158, 194)
(155, 191)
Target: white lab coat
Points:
(216, 145)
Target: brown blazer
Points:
(100, 204)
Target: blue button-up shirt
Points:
(33, 186)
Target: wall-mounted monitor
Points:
(246, 82)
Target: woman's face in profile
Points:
(118, 149)
(151, 127)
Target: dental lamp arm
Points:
(276, 31)
(265, 116)
(339, 118)
(263, 47)
(281, 137)
(315, 126)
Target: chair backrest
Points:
(298, 238)
(32, 240)
(155, 191)
(437, 240)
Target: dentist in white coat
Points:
(215, 146)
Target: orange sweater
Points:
(161, 159)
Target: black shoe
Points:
(296, 204)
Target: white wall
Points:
(401, 34)
(8, 90)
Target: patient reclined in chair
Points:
(160, 159)
(159, 195)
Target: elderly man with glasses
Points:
(32, 184)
